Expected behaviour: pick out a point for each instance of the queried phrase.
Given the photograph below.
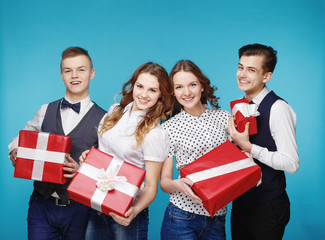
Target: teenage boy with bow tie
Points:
(52, 214)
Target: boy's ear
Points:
(92, 73)
(267, 77)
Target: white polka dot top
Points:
(190, 138)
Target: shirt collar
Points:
(259, 98)
(128, 108)
(83, 103)
(183, 112)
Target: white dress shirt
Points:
(120, 141)
(283, 131)
(70, 119)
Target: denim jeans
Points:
(179, 224)
(101, 226)
(48, 221)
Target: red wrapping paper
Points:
(241, 119)
(83, 188)
(231, 180)
(40, 156)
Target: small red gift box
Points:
(244, 112)
(41, 155)
(221, 175)
(105, 183)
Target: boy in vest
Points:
(51, 214)
(264, 211)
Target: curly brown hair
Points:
(208, 92)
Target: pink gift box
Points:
(221, 175)
(105, 183)
(40, 156)
(244, 112)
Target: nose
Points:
(242, 73)
(144, 93)
(74, 74)
(186, 91)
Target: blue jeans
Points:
(101, 226)
(47, 221)
(179, 224)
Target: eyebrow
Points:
(76, 67)
(239, 64)
(194, 81)
(142, 85)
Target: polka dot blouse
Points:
(190, 138)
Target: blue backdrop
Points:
(121, 35)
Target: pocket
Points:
(146, 213)
(32, 199)
(177, 213)
(143, 218)
(281, 209)
(221, 220)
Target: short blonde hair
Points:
(74, 52)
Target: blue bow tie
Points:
(75, 107)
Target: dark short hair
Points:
(270, 58)
(74, 52)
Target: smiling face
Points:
(76, 73)
(188, 91)
(251, 77)
(146, 92)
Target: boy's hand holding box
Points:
(244, 112)
(40, 156)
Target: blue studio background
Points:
(121, 35)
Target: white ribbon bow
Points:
(108, 180)
(246, 109)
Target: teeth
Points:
(143, 101)
(243, 81)
(75, 82)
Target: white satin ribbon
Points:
(246, 109)
(40, 155)
(119, 183)
(108, 180)
(221, 170)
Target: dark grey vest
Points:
(273, 181)
(84, 136)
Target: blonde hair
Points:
(159, 111)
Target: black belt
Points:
(59, 202)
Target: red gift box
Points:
(221, 175)
(41, 155)
(105, 183)
(244, 112)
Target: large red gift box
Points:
(244, 112)
(221, 175)
(105, 183)
(41, 155)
